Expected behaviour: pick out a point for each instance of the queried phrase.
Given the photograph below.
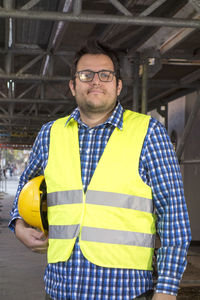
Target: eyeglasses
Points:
(88, 75)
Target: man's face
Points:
(95, 96)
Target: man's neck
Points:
(93, 120)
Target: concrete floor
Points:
(21, 271)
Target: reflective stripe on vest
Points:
(101, 198)
(64, 197)
(119, 200)
(102, 235)
(63, 231)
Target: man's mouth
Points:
(95, 91)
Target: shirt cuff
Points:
(167, 285)
(11, 224)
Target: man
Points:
(105, 169)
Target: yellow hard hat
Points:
(32, 203)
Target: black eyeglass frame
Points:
(93, 72)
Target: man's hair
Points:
(93, 46)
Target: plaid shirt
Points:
(78, 278)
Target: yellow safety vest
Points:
(114, 219)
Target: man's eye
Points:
(86, 75)
(105, 75)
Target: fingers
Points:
(38, 242)
(31, 238)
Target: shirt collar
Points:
(116, 119)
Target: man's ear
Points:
(71, 86)
(119, 87)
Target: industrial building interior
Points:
(159, 46)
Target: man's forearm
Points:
(160, 296)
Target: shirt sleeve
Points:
(35, 167)
(160, 166)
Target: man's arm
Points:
(30, 237)
(173, 225)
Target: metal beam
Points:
(23, 126)
(30, 4)
(120, 7)
(59, 93)
(33, 101)
(3, 95)
(30, 64)
(115, 30)
(195, 4)
(103, 19)
(190, 161)
(21, 49)
(109, 30)
(164, 99)
(152, 7)
(54, 41)
(179, 36)
(27, 117)
(40, 78)
(27, 91)
(142, 34)
(68, 61)
(190, 77)
(32, 77)
(165, 38)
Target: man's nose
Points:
(96, 79)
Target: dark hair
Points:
(93, 46)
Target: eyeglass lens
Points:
(89, 75)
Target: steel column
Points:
(144, 87)
(136, 83)
(163, 111)
(8, 4)
(77, 7)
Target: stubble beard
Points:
(96, 107)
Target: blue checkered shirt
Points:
(78, 278)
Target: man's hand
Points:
(31, 238)
(159, 296)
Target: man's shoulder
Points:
(155, 124)
(46, 127)
(134, 114)
(136, 118)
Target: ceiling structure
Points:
(158, 42)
